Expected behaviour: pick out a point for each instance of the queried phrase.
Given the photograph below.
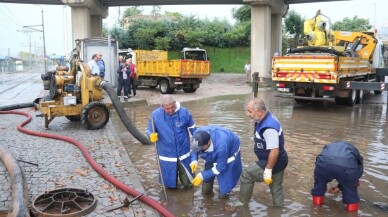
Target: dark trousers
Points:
(132, 86)
(348, 179)
(120, 84)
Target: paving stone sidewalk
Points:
(62, 165)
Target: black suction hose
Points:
(19, 202)
(123, 116)
(17, 106)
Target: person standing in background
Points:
(247, 69)
(101, 65)
(122, 80)
(93, 65)
(132, 77)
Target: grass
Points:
(230, 60)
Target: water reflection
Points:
(307, 127)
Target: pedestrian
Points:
(272, 157)
(341, 161)
(101, 65)
(247, 69)
(169, 127)
(93, 65)
(123, 75)
(220, 148)
(132, 76)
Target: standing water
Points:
(307, 127)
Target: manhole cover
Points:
(64, 202)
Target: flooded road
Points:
(307, 128)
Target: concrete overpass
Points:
(266, 20)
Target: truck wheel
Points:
(165, 87)
(359, 96)
(189, 90)
(95, 115)
(351, 99)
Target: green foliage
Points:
(162, 43)
(294, 24)
(242, 14)
(355, 24)
(131, 11)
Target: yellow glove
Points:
(267, 176)
(154, 137)
(193, 166)
(197, 180)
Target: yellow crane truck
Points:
(334, 65)
(154, 68)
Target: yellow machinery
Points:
(75, 94)
(317, 71)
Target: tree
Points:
(294, 24)
(131, 11)
(162, 43)
(355, 24)
(242, 14)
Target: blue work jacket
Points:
(173, 140)
(225, 157)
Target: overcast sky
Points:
(57, 20)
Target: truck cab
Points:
(194, 54)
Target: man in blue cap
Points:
(343, 162)
(220, 148)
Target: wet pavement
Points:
(307, 127)
(53, 164)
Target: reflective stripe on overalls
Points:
(230, 159)
(174, 159)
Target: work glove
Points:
(193, 166)
(154, 137)
(267, 176)
(197, 180)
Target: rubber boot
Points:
(223, 196)
(318, 200)
(207, 188)
(352, 207)
(245, 195)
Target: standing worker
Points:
(272, 157)
(220, 148)
(122, 80)
(101, 65)
(343, 162)
(132, 76)
(169, 127)
(93, 65)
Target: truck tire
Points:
(189, 90)
(95, 115)
(351, 99)
(164, 87)
(359, 96)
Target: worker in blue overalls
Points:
(343, 162)
(220, 148)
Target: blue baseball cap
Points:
(200, 138)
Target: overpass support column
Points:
(86, 17)
(266, 33)
(261, 39)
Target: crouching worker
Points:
(343, 162)
(220, 148)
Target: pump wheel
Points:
(94, 115)
(73, 118)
